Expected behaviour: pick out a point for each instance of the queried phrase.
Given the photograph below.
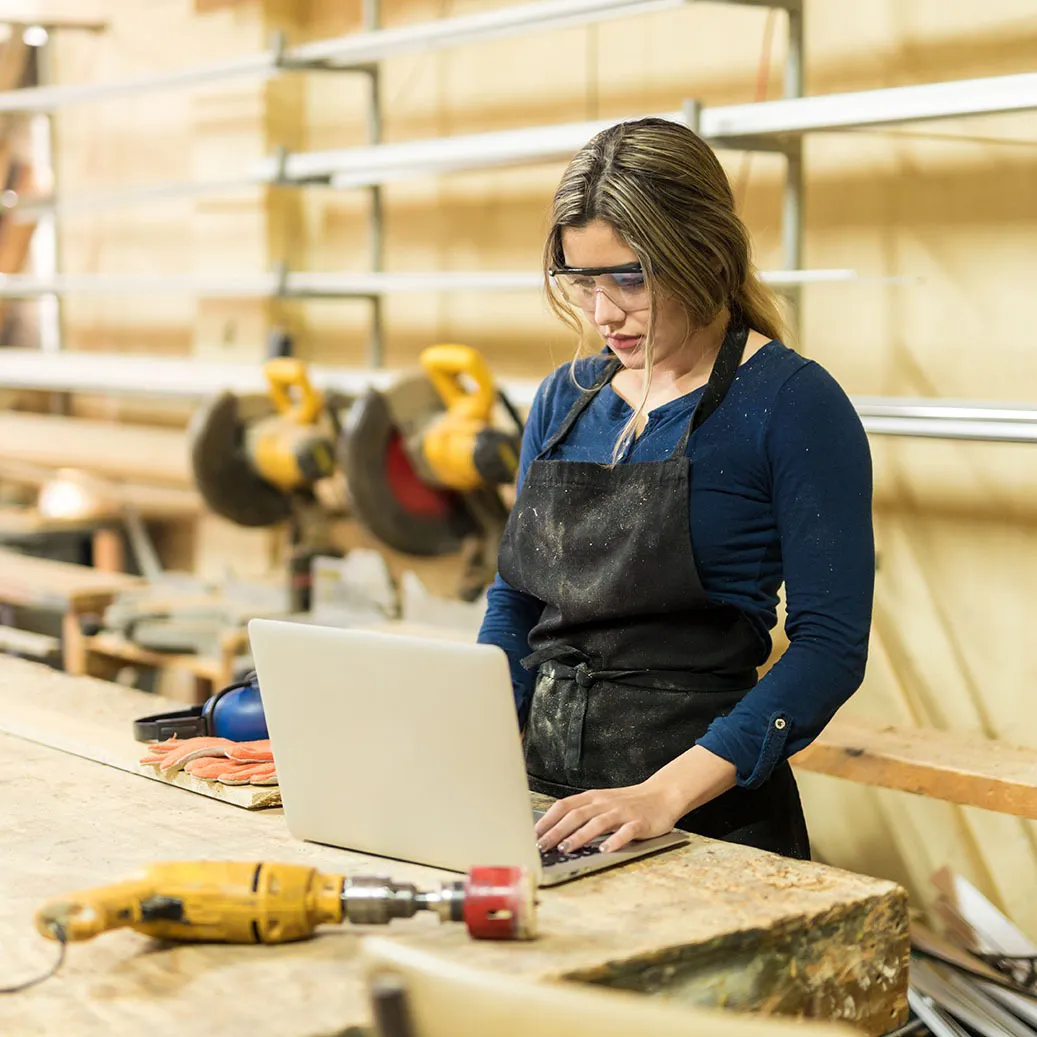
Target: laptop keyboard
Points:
(556, 856)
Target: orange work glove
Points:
(255, 763)
(173, 754)
(216, 759)
(251, 752)
(233, 772)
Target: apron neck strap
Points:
(721, 377)
(581, 404)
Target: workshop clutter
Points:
(421, 464)
(980, 973)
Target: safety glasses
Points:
(623, 285)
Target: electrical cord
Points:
(512, 412)
(62, 939)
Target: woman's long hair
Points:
(662, 190)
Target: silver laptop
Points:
(406, 747)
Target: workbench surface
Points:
(710, 923)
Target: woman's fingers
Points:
(637, 812)
(579, 819)
(606, 821)
(565, 826)
(624, 834)
(559, 809)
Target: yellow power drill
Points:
(249, 902)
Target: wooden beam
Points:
(45, 583)
(966, 769)
(150, 502)
(26, 642)
(118, 451)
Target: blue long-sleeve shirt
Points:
(780, 491)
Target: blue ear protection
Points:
(234, 712)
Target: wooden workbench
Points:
(710, 923)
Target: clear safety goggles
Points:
(624, 285)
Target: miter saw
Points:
(424, 462)
(257, 462)
(422, 459)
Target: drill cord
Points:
(59, 935)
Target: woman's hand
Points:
(636, 811)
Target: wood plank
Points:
(22, 522)
(94, 720)
(131, 452)
(115, 647)
(158, 502)
(25, 642)
(708, 923)
(45, 583)
(969, 770)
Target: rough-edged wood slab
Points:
(708, 924)
(505, 1006)
(968, 769)
(94, 719)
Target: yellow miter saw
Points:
(249, 467)
(424, 461)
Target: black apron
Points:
(634, 660)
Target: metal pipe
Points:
(729, 126)
(944, 428)
(372, 21)
(792, 203)
(316, 285)
(353, 51)
(945, 410)
(46, 243)
(176, 378)
(987, 96)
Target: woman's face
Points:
(598, 245)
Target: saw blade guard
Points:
(397, 504)
(223, 471)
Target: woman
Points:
(668, 486)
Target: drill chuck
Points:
(373, 900)
(494, 903)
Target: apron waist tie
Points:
(571, 664)
(581, 672)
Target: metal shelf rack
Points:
(362, 52)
